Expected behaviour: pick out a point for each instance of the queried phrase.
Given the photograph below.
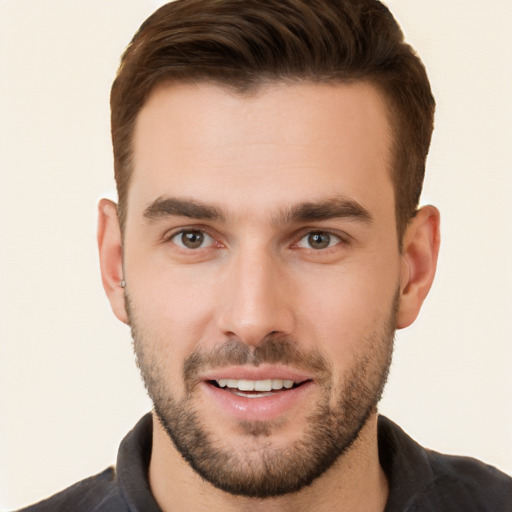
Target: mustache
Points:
(274, 349)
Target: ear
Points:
(419, 262)
(111, 257)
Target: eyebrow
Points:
(332, 208)
(174, 207)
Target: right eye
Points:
(192, 239)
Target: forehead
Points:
(282, 144)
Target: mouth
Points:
(256, 388)
(267, 392)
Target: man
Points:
(269, 158)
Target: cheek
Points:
(173, 306)
(345, 309)
(180, 311)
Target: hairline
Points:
(252, 88)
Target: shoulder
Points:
(470, 483)
(123, 489)
(423, 480)
(98, 493)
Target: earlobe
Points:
(419, 262)
(111, 257)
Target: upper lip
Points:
(262, 372)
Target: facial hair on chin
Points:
(268, 471)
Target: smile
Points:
(255, 388)
(257, 393)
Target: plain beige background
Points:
(69, 389)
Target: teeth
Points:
(246, 385)
(262, 385)
(255, 385)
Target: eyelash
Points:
(339, 239)
(171, 237)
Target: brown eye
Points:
(318, 240)
(192, 239)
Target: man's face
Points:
(262, 269)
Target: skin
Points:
(256, 157)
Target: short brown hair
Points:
(243, 44)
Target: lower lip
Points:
(262, 408)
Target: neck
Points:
(355, 482)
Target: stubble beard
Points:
(264, 470)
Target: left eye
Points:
(318, 240)
(192, 239)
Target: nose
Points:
(256, 299)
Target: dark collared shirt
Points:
(420, 480)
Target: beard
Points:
(261, 469)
